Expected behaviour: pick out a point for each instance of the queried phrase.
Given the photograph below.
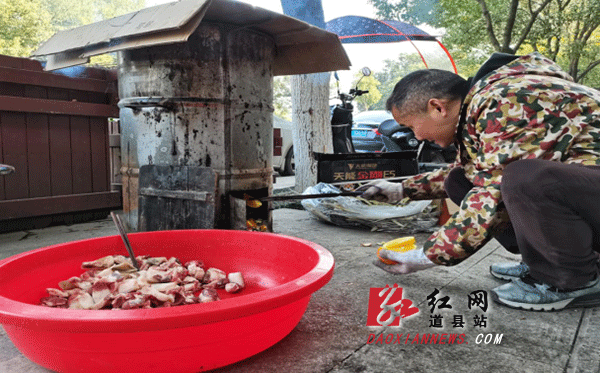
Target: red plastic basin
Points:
(281, 273)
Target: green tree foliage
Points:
(578, 43)
(565, 30)
(282, 97)
(23, 24)
(411, 11)
(367, 83)
(392, 72)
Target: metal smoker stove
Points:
(196, 115)
(201, 118)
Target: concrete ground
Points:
(333, 336)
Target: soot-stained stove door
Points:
(176, 197)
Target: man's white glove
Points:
(408, 261)
(383, 191)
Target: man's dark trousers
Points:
(554, 209)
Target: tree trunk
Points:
(311, 129)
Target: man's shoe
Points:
(509, 271)
(529, 294)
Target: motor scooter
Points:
(341, 116)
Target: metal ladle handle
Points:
(117, 219)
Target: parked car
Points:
(365, 136)
(284, 161)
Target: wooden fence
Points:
(54, 129)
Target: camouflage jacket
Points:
(528, 108)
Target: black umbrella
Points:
(356, 29)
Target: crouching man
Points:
(527, 174)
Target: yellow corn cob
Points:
(401, 244)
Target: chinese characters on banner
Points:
(362, 175)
